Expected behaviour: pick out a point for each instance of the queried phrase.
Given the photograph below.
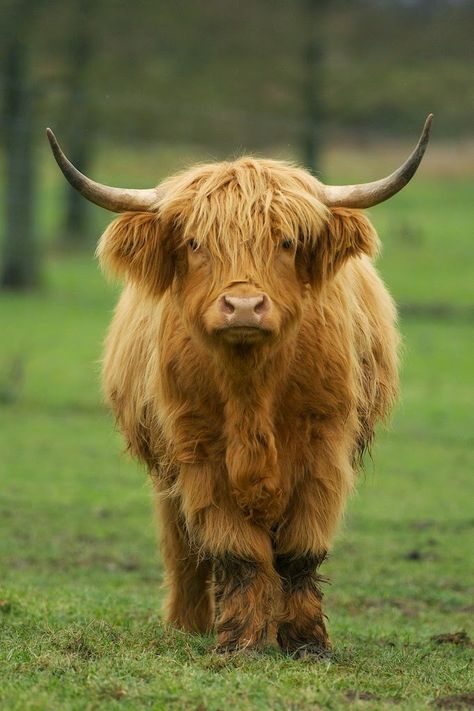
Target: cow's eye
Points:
(193, 245)
(287, 244)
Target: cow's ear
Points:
(135, 245)
(348, 233)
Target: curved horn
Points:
(370, 194)
(114, 199)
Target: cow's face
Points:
(247, 296)
(239, 246)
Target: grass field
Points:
(80, 623)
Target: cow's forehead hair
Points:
(246, 201)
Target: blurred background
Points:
(133, 94)
(136, 91)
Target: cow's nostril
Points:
(226, 305)
(262, 305)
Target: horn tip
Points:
(428, 122)
(51, 138)
(425, 136)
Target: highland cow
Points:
(252, 352)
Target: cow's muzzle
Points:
(244, 317)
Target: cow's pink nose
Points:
(244, 310)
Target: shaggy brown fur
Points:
(251, 442)
(302, 629)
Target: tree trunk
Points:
(20, 268)
(79, 121)
(312, 84)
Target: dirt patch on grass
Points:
(87, 641)
(418, 555)
(89, 559)
(455, 701)
(461, 638)
(353, 695)
(408, 607)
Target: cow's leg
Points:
(246, 585)
(189, 604)
(302, 629)
(247, 594)
(301, 543)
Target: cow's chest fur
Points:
(259, 435)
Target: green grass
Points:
(80, 622)
(426, 234)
